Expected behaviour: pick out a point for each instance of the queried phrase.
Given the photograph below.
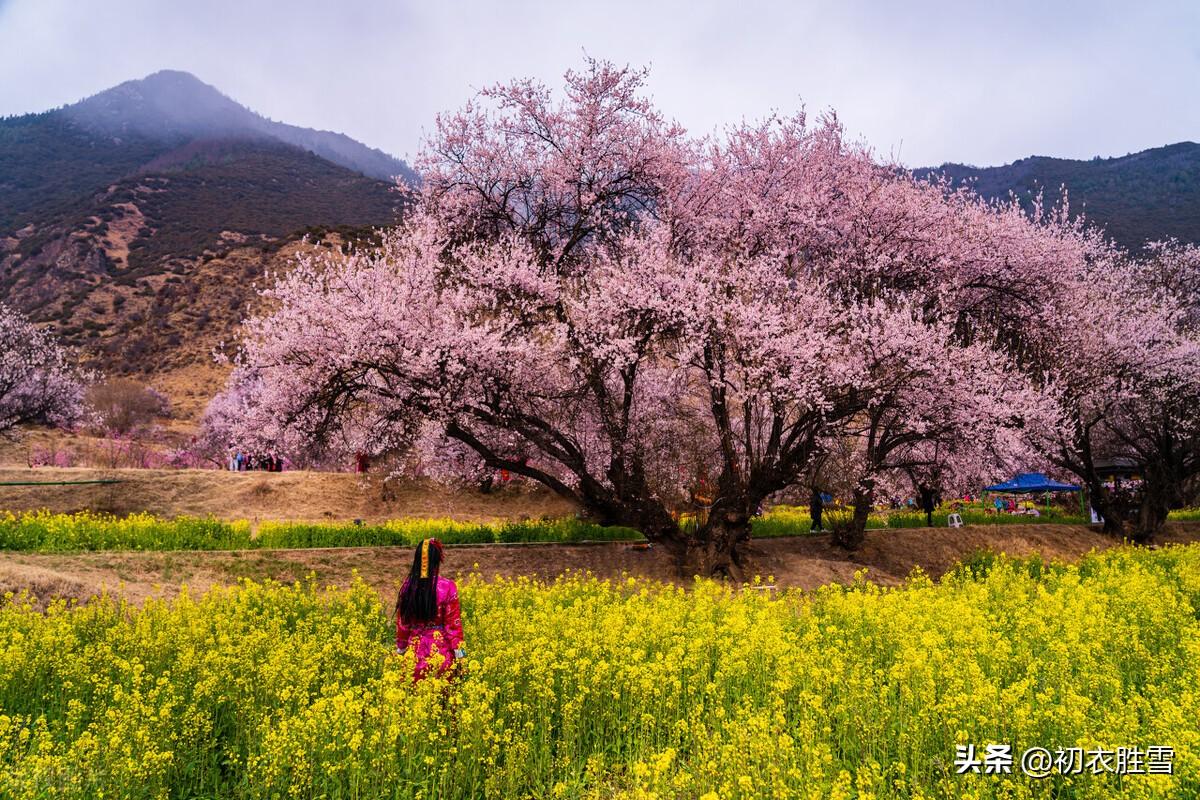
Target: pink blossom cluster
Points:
(37, 381)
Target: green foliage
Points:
(838, 521)
(977, 516)
(353, 237)
(265, 192)
(57, 533)
(786, 520)
(259, 189)
(412, 531)
(46, 532)
(770, 526)
(979, 563)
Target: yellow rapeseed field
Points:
(582, 688)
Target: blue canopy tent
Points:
(1035, 483)
(1032, 483)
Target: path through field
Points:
(804, 562)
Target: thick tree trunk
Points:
(720, 550)
(1152, 511)
(852, 536)
(716, 549)
(928, 503)
(1114, 520)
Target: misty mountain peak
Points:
(168, 104)
(175, 107)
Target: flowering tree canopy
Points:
(37, 382)
(587, 297)
(1126, 372)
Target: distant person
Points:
(816, 505)
(928, 503)
(427, 612)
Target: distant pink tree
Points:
(38, 384)
(247, 417)
(1125, 368)
(588, 298)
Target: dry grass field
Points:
(301, 496)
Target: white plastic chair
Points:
(954, 520)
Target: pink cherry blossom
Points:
(38, 384)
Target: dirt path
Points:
(805, 562)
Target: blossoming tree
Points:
(939, 416)
(37, 382)
(1126, 372)
(590, 299)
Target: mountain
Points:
(172, 106)
(136, 221)
(1154, 194)
(53, 157)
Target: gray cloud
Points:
(925, 81)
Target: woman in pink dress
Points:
(427, 612)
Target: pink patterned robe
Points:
(444, 632)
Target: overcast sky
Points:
(923, 81)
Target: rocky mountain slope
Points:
(137, 221)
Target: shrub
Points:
(126, 406)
